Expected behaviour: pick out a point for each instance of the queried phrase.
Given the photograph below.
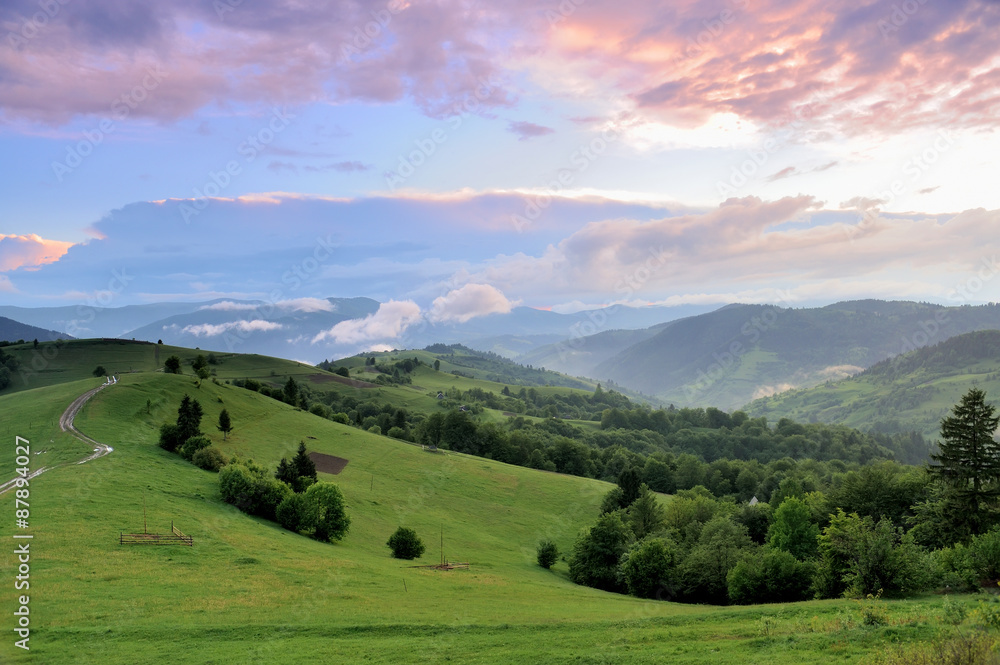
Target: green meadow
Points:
(251, 592)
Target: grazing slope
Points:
(247, 591)
(909, 392)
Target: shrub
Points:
(294, 513)
(193, 445)
(405, 544)
(100, 371)
(954, 611)
(341, 417)
(397, 433)
(547, 553)
(172, 365)
(769, 576)
(169, 437)
(210, 459)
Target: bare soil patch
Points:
(328, 463)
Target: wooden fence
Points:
(175, 537)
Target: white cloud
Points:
(306, 305)
(211, 330)
(468, 302)
(389, 322)
(230, 306)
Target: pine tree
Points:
(969, 459)
(303, 465)
(225, 424)
(188, 418)
(286, 472)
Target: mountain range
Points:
(686, 356)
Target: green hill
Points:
(908, 392)
(248, 591)
(738, 353)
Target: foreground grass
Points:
(250, 592)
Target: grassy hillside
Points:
(250, 592)
(909, 392)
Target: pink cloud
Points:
(29, 251)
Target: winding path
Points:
(66, 425)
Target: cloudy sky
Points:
(458, 158)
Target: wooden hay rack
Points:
(175, 537)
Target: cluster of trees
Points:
(291, 496)
(712, 434)
(883, 527)
(172, 365)
(186, 438)
(8, 366)
(530, 402)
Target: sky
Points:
(456, 158)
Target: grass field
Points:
(250, 592)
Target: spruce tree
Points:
(969, 460)
(188, 418)
(304, 467)
(225, 424)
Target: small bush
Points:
(405, 544)
(954, 611)
(873, 610)
(547, 553)
(210, 459)
(100, 371)
(170, 437)
(193, 445)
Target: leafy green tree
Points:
(630, 480)
(437, 365)
(199, 363)
(793, 530)
(405, 544)
(294, 513)
(547, 553)
(703, 571)
(331, 520)
(225, 424)
(645, 516)
(170, 437)
(859, 556)
(343, 371)
(649, 569)
(172, 365)
(613, 500)
(969, 459)
(100, 371)
(594, 562)
(768, 575)
(757, 519)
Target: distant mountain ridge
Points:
(738, 353)
(12, 331)
(908, 392)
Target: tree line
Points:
(882, 528)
